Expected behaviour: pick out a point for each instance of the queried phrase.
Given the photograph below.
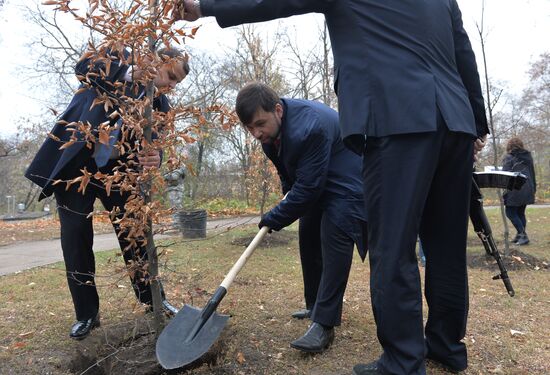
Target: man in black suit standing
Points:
(322, 180)
(410, 101)
(117, 81)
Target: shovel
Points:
(193, 331)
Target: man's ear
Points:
(279, 110)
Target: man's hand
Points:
(188, 10)
(265, 222)
(478, 145)
(150, 159)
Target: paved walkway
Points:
(25, 255)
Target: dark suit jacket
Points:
(317, 170)
(50, 162)
(396, 62)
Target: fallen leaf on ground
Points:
(26, 334)
(240, 358)
(19, 345)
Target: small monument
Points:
(174, 191)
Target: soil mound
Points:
(517, 260)
(273, 239)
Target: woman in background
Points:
(518, 159)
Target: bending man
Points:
(322, 178)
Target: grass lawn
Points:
(505, 335)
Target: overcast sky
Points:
(518, 32)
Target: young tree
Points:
(490, 104)
(129, 33)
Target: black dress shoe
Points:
(302, 314)
(368, 369)
(316, 339)
(82, 328)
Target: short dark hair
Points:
(253, 96)
(174, 53)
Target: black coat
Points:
(520, 161)
(51, 162)
(395, 62)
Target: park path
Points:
(25, 255)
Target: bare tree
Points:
(535, 101)
(311, 71)
(205, 88)
(490, 106)
(254, 60)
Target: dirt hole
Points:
(128, 348)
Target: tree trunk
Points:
(198, 170)
(327, 89)
(151, 248)
(494, 142)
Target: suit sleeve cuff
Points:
(207, 7)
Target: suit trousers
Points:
(419, 184)
(77, 238)
(326, 253)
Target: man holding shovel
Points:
(323, 181)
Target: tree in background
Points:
(536, 127)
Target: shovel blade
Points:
(176, 349)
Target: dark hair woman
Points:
(518, 159)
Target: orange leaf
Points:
(67, 144)
(96, 101)
(108, 185)
(240, 358)
(19, 345)
(104, 136)
(80, 90)
(55, 138)
(84, 181)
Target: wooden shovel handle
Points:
(226, 283)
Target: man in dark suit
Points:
(322, 179)
(410, 101)
(118, 81)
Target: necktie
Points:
(103, 151)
